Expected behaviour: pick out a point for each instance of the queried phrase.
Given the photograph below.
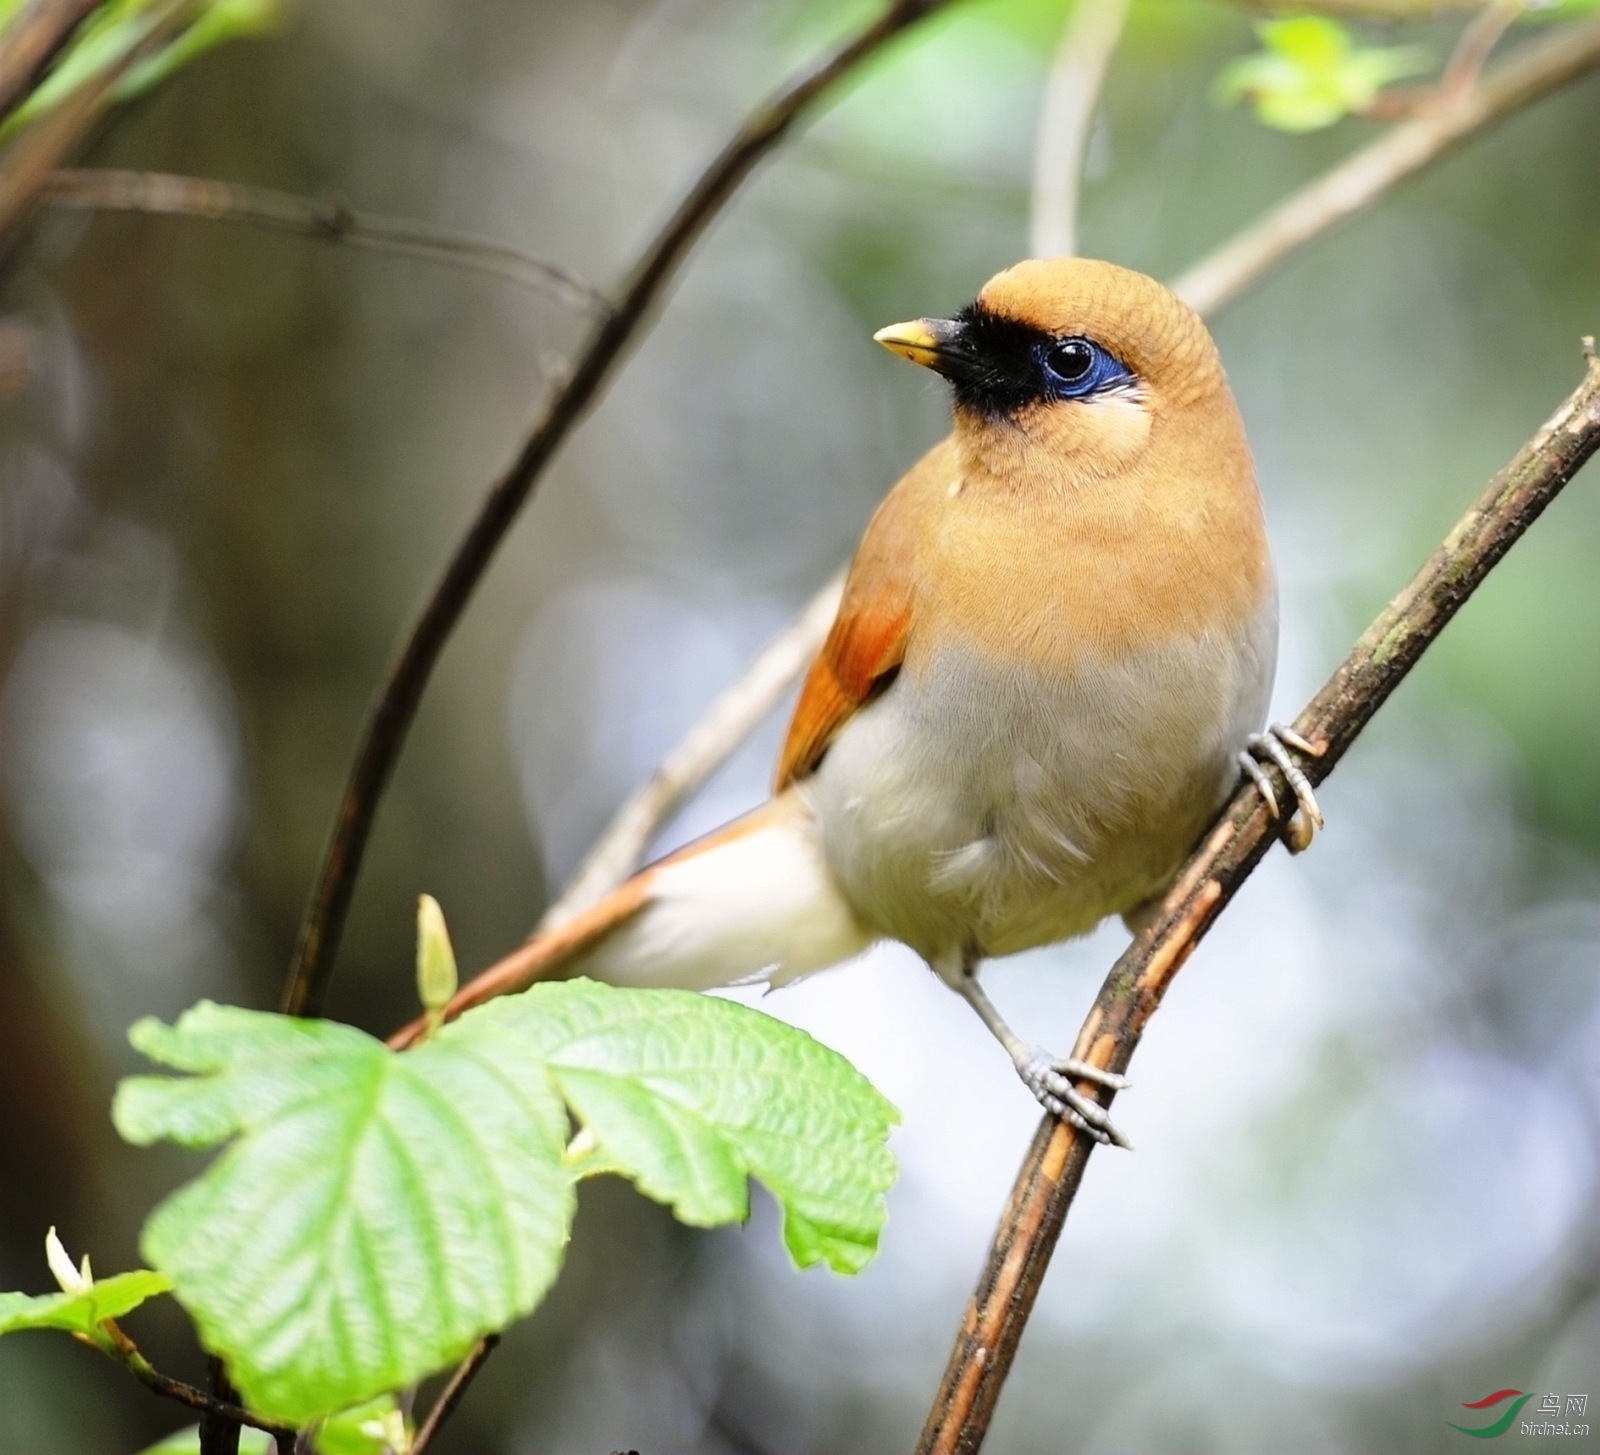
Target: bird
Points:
(1051, 661)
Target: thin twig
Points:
(386, 726)
(1361, 178)
(1390, 647)
(450, 1395)
(126, 1352)
(32, 39)
(327, 219)
(1212, 283)
(1066, 114)
(1478, 38)
(730, 719)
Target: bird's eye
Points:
(1070, 360)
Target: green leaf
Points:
(376, 1215)
(81, 1313)
(1310, 73)
(690, 1096)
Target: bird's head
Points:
(1070, 353)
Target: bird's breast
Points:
(997, 802)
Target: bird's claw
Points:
(1050, 1079)
(1303, 824)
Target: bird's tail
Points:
(751, 901)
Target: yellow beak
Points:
(918, 341)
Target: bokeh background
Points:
(1365, 1189)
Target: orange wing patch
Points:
(862, 649)
(868, 640)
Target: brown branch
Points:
(1212, 283)
(385, 728)
(32, 41)
(450, 1395)
(126, 1352)
(326, 219)
(1390, 647)
(1361, 178)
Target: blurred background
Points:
(1365, 1189)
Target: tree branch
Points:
(450, 1396)
(1390, 647)
(390, 718)
(327, 219)
(1066, 114)
(1361, 178)
(1212, 283)
(126, 1352)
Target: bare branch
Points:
(1212, 283)
(326, 219)
(126, 1352)
(1066, 114)
(450, 1396)
(1390, 647)
(1367, 174)
(390, 718)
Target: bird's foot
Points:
(1050, 1079)
(1303, 824)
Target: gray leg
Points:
(1049, 1078)
(1302, 827)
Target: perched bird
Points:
(1052, 657)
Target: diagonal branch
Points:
(1212, 283)
(1408, 147)
(1390, 647)
(386, 725)
(329, 219)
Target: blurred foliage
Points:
(118, 27)
(1310, 73)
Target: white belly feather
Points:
(970, 808)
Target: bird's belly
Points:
(971, 808)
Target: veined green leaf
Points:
(690, 1096)
(376, 1214)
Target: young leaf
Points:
(691, 1096)
(1310, 73)
(81, 1313)
(376, 1214)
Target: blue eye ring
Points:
(1074, 367)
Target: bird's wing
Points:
(867, 643)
